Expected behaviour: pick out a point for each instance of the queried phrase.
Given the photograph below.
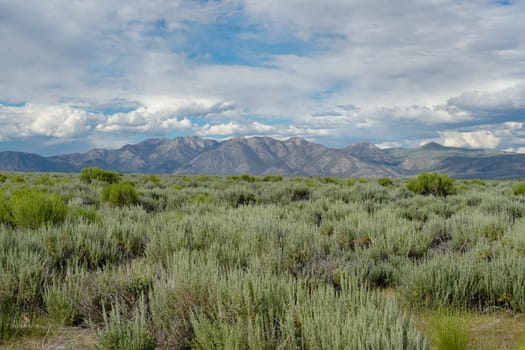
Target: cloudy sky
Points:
(79, 74)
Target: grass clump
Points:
(449, 332)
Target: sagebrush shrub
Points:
(122, 332)
(62, 300)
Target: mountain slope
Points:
(506, 166)
(428, 156)
(150, 156)
(19, 161)
(370, 153)
(267, 156)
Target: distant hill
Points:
(267, 156)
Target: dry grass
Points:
(489, 331)
(58, 339)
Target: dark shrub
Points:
(237, 197)
(385, 182)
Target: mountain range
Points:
(267, 156)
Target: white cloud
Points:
(38, 120)
(340, 71)
(472, 139)
(143, 121)
(234, 128)
(515, 150)
(508, 99)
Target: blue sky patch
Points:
(117, 105)
(12, 104)
(233, 40)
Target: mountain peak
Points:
(368, 152)
(433, 146)
(363, 146)
(296, 141)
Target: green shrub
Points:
(350, 182)
(18, 179)
(43, 180)
(85, 214)
(202, 178)
(328, 180)
(32, 208)
(432, 184)
(385, 181)
(120, 194)
(247, 178)
(519, 189)
(272, 178)
(94, 173)
(3, 178)
(177, 187)
(478, 182)
(151, 180)
(5, 209)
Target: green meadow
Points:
(100, 260)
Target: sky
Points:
(83, 74)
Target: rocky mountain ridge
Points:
(267, 156)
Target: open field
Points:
(247, 262)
